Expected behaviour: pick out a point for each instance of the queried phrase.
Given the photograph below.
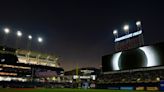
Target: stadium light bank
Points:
(126, 30)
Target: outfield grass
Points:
(65, 90)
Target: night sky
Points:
(79, 31)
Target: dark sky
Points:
(80, 31)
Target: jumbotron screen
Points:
(146, 56)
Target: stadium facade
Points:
(24, 65)
(88, 73)
(78, 77)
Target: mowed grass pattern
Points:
(66, 90)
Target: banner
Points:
(113, 88)
(162, 85)
(152, 88)
(140, 88)
(126, 88)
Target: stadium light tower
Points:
(6, 30)
(40, 39)
(139, 28)
(40, 46)
(138, 24)
(30, 37)
(126, 28)
(115, 33)
(29, 42)
(19, 33)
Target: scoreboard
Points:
(145, 56)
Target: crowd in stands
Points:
(128, 77)
(132, 77)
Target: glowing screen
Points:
(146, 56)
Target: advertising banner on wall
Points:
(162, 85)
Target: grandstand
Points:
(140, 68)
(82, 75)
(25, 67)
(36, 58)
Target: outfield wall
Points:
(132, 86)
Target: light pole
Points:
(126, 29)
(139, 28)
(19, 35)
(138, 24)
(115, 33)
(29, 42)
(29, 37)
(40, 40)
(6, 31)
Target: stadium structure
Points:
(134, 66)
(28, 68)
(81, 75)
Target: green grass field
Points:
(65, 90)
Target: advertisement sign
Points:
(152, 88)
(162, 85)
(140, 88)
(126, 88)
(113, 88)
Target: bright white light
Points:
(6, 30)
(124, 37)
(126, 28)
(115, 32)
(152, 58)
(75, 76)
(29, 37)
(115, 61)
(138, 23)
(137, 33)
(40, 39)
(93, 77)
(19, 33)
(128, 36)
(12, 78)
